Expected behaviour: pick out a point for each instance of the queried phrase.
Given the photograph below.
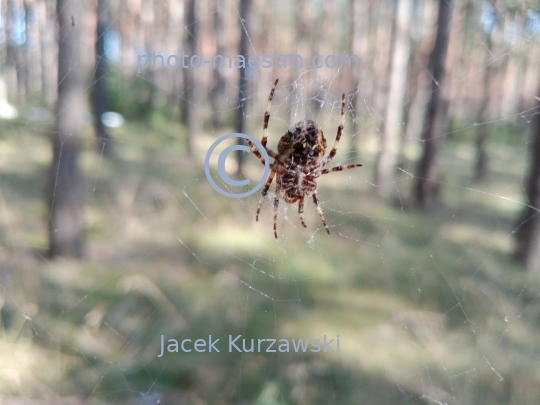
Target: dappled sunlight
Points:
(467, 235)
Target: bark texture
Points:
(65, 189)
(425, 185)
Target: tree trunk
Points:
(422, 88)
(364, 98)
(482, 131)
(14, 50)
(47, 50)
(33, 79)
(190, 116)
(528, 232)
(100, 96)
(245, 6)
(461, 48)
(65, 189)
(361, 83)
(425, 185)
(382, 60)
(393, 125)
(321, 43)
(513, 76)
(300, 31)
(173, 77)
(130, 35)
(219, 82)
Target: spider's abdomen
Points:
(297, 184)
(304, 142)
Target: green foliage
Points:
(132, 97)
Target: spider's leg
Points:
(339, 168)
(319, 211)
(267, 114)
(264, 192)
(265, 125)
(276, 205)
(285, 160)
(338, 135)
(301, 211)
(255, 151)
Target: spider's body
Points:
(304, 143)
(296, 184)
(298, 162)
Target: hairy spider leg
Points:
(339, 168)
(265, 126)
(265, 191)
(267, 114)
(281, 158)
(338, 135)
(319, 211)
(301, 211)
(276, 205)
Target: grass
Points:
(429, 308)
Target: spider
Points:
(298, 162)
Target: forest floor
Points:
(429, 307)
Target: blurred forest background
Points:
(111, 236)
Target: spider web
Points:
(429, 308)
